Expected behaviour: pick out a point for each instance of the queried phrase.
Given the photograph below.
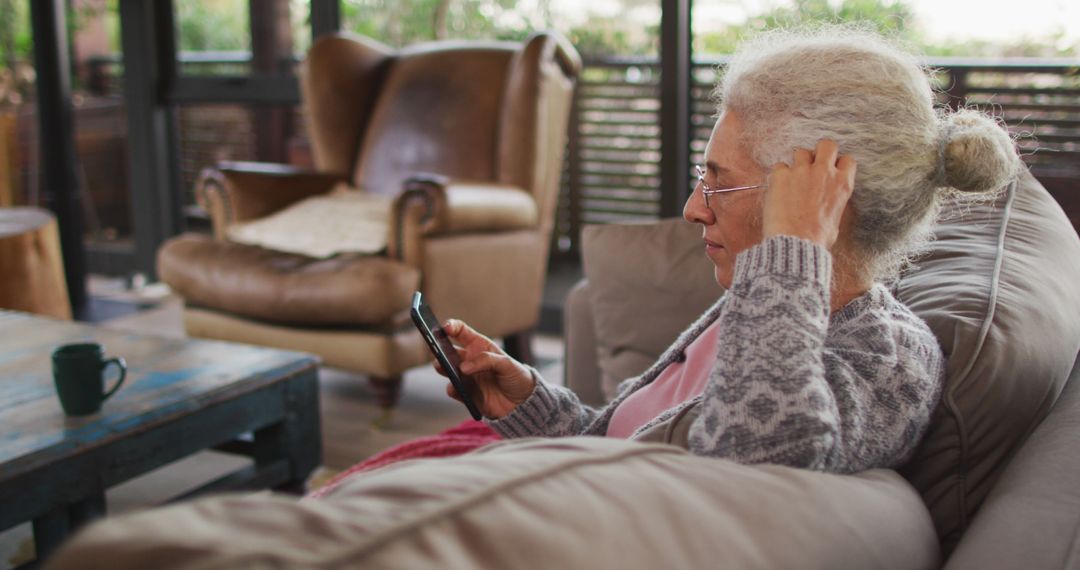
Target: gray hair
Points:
(871, 96)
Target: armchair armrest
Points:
(238, 191)
(434, 205)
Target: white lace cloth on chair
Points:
(343, 220)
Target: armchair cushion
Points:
(515, 503)
(286, 288)
(240, 191)
(341, 221)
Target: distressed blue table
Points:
(180, 397)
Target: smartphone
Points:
(443, 349)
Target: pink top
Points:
(679, 382)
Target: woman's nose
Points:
(696, 211)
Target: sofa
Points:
(993, 484)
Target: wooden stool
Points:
(31, 267)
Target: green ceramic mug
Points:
(79, 373)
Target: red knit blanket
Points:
(462, 438)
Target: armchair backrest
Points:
(437, 111)
(477, 111)
(339, 82)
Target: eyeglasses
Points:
(707, 191)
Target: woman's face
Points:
(732, 221)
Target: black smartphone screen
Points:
(440, 345)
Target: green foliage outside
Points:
(889, 18)
(213, 26)
(894, 18)
(403, 22)
(16, 76)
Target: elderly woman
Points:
(821, 178)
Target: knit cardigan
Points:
(792, 383)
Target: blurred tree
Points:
(403, 22)
(600, 38)
(212, 25)
(890, 17)
(893, 18)
(16, 43)
(14, 32)
(1053, 44)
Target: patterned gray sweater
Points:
(791, 385)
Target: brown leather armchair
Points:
(468, 140)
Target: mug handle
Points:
(119, 362)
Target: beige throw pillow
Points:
(647, 283)
(341, 221)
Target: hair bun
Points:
(977, 154)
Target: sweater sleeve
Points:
(779, 394)
(767, 400)
(550, 411)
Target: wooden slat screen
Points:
(612, 172)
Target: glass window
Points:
(213, 37)
(18, 116)
(213, 133)
(220, 37)
(605, 28)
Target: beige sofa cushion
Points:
(999, 289)
(647, 283)
(1031, 518)
(570, 503)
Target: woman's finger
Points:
(488, 362)
(803, 157)
(452, 392)
(464, 335)
(462, 355)
(846, 166)
(826, 152)
(777, 173)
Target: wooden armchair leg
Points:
(519, 347)
(387, 392)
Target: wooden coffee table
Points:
(180, 397)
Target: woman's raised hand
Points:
(807, 199)
(504, 383)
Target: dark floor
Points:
(562, 276)
(99, 309)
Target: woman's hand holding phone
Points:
(504, 383)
